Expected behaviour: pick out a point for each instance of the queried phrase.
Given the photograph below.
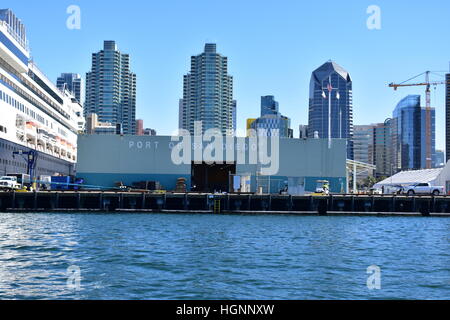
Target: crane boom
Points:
(396, 86)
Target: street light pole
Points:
(330, 89)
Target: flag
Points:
(324, 95)
(338, 96)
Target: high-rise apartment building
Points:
(73, 83)
(331, 85)
(111, 88)
(373, 145)
(363, 147)
(208, 93)
(423, 152)
(362, 143)
(382, 149)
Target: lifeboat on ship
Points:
(51, 143)
(31, 133)
(63, 148)
(57, 146)
(42, 138)
(20, 134)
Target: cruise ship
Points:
(34, 113)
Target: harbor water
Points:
(157, 256)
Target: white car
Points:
(9, 183)
(424, 188)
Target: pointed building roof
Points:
(329, 67)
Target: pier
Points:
(137, 202)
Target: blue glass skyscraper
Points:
(271, 120)
(409, 136)
(269, 106)
(330, 79)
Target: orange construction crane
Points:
(428, 85)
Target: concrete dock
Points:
(131, 202)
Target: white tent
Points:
(405, 178)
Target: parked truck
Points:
(23, 179)
(9, 183)
(424, 188)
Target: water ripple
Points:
(222, 257)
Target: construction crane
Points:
(428, 85)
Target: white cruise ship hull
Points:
(34, 113)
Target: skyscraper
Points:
(331, 83)
(409, 136)
(423, 137)
(271, 120)
(111, 88)
(447, 116)
(373, 145)
(363, 147)
(269, 106)
(382, 149)
(208, 93)
(73, 83)
(363, 143)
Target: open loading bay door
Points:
(212, 177)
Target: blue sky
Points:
(273, 46)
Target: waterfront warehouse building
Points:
(208, 93)
(331, 83)
(111, 88)
(105, 160)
